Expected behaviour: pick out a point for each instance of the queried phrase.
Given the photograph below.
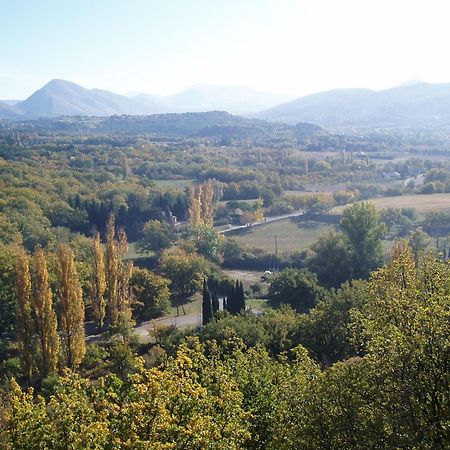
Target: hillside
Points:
(212, 124)
(60, 97)
(9, 111)
(416, 105)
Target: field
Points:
(421, 203)
(176, 184)
(290, 236)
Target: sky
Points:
(283, 46)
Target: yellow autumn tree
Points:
(72, 308)
(46, 323)
(118, 275)
(112, 272)
(195, 207)
(24, 321)
(206, 200)
(98, 283)
(202, 203)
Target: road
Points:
(178, 321)
(262, 222)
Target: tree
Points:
(118, 274)
(185, 271)
(151, 293)
(418, 241)
(215, 303)
(202, 203)
(112, 272)
(241, 297)
(98, 282)
(330, 260)
(206, 241)
(156, 237)
(363, 228)
(297, 288)
(46, 323)
(195, 207)
(72, 308)
(207, 312)
(24, 321)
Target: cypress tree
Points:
(207, 312)
(241, 297)
(215, 303)
(230, 300)
(236, 298)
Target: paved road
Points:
(181, 321)
(263, 222)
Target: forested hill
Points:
(200, 124)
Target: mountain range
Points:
(412, 104)
(60, 97)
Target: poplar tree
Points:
(112, 272)
(46, 323)
(118, 275)
(24, 321)
(206, 201)
(195, 207)
(98, 283)
(72, 308)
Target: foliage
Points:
(331, 260)
(185, 271)
(297, 288)
(156, 237)
(150, 292)
(363, 228)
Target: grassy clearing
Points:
(420, 202)
(290, 236)
(193, 306)
(178, 184)
(258, 304)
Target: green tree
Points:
(331, 260)
(205, 241)
(185, 272)
(207, 311)
(156, 237)
(151, 293)
(297, 288)
(363, 228)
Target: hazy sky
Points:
(293, 46)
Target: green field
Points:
(176, 184)
(420, 202)
(290, 236)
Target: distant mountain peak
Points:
(410, 83)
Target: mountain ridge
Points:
(61, 97)
(411, 104)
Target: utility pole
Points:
(276, 253)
